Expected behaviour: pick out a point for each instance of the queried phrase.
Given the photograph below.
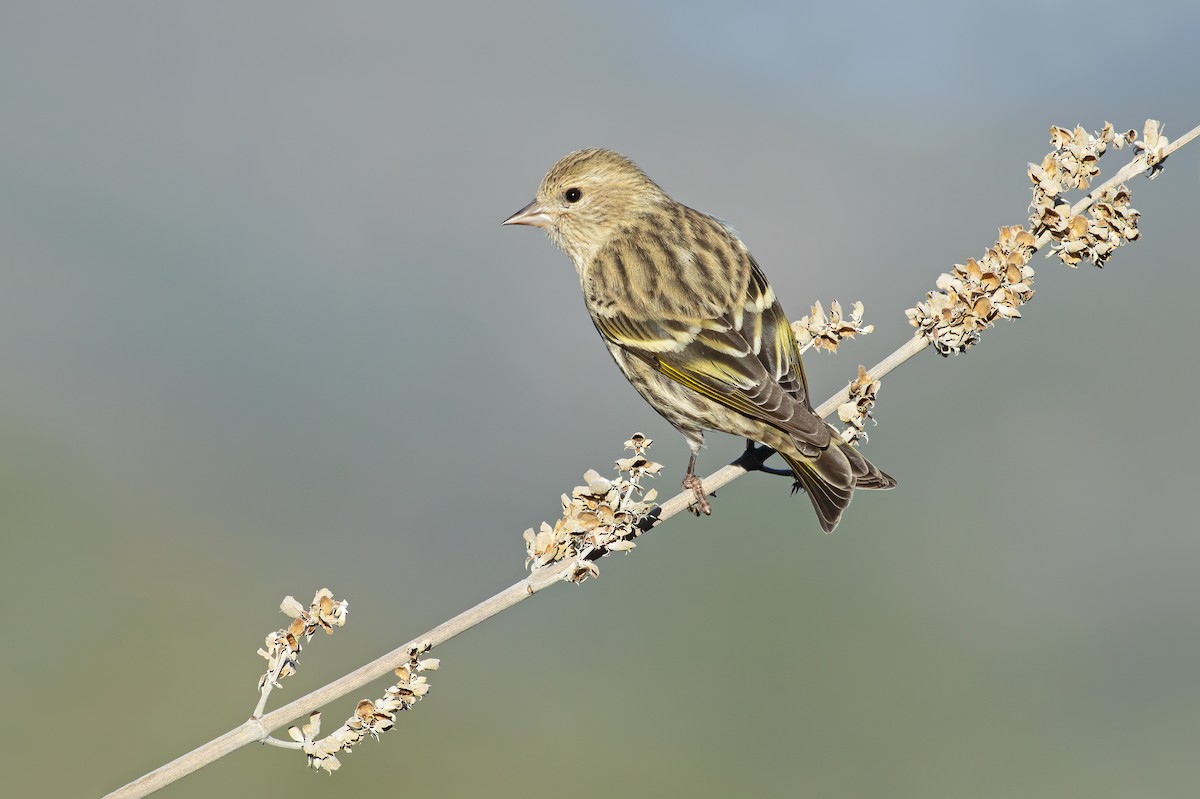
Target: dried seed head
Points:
(638, 442)
(282, 651)
(826, 332)
(855, 412)
(1095, 234)
(973, 295)
(1153, 146)
(371, 718)
(600, 517)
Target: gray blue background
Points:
(261, 332)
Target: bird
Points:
(691, 321)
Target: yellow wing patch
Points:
(689, 378)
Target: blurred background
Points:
(261, 332)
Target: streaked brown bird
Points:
(692, 322)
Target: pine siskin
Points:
(692, 322)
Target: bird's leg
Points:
(690, 480)
(755, 457)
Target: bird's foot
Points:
(701, 505)
(754, 460)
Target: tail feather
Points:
(830, 480)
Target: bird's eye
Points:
(573, 195)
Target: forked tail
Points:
(830, 480)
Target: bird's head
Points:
(586, 198)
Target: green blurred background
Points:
(261, 332)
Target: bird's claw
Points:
(701, 505)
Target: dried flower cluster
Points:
(371, 718)
(855, 412)
(283, 646)
(598, 518)
(1072, 162)
(825, 333)
(1110, 222)
(974, 294)
(1153, 145)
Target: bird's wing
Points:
(745, 359)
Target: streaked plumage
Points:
(692, 322)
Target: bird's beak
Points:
(532, 214)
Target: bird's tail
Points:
(830, 479)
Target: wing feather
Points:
(745, 358)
